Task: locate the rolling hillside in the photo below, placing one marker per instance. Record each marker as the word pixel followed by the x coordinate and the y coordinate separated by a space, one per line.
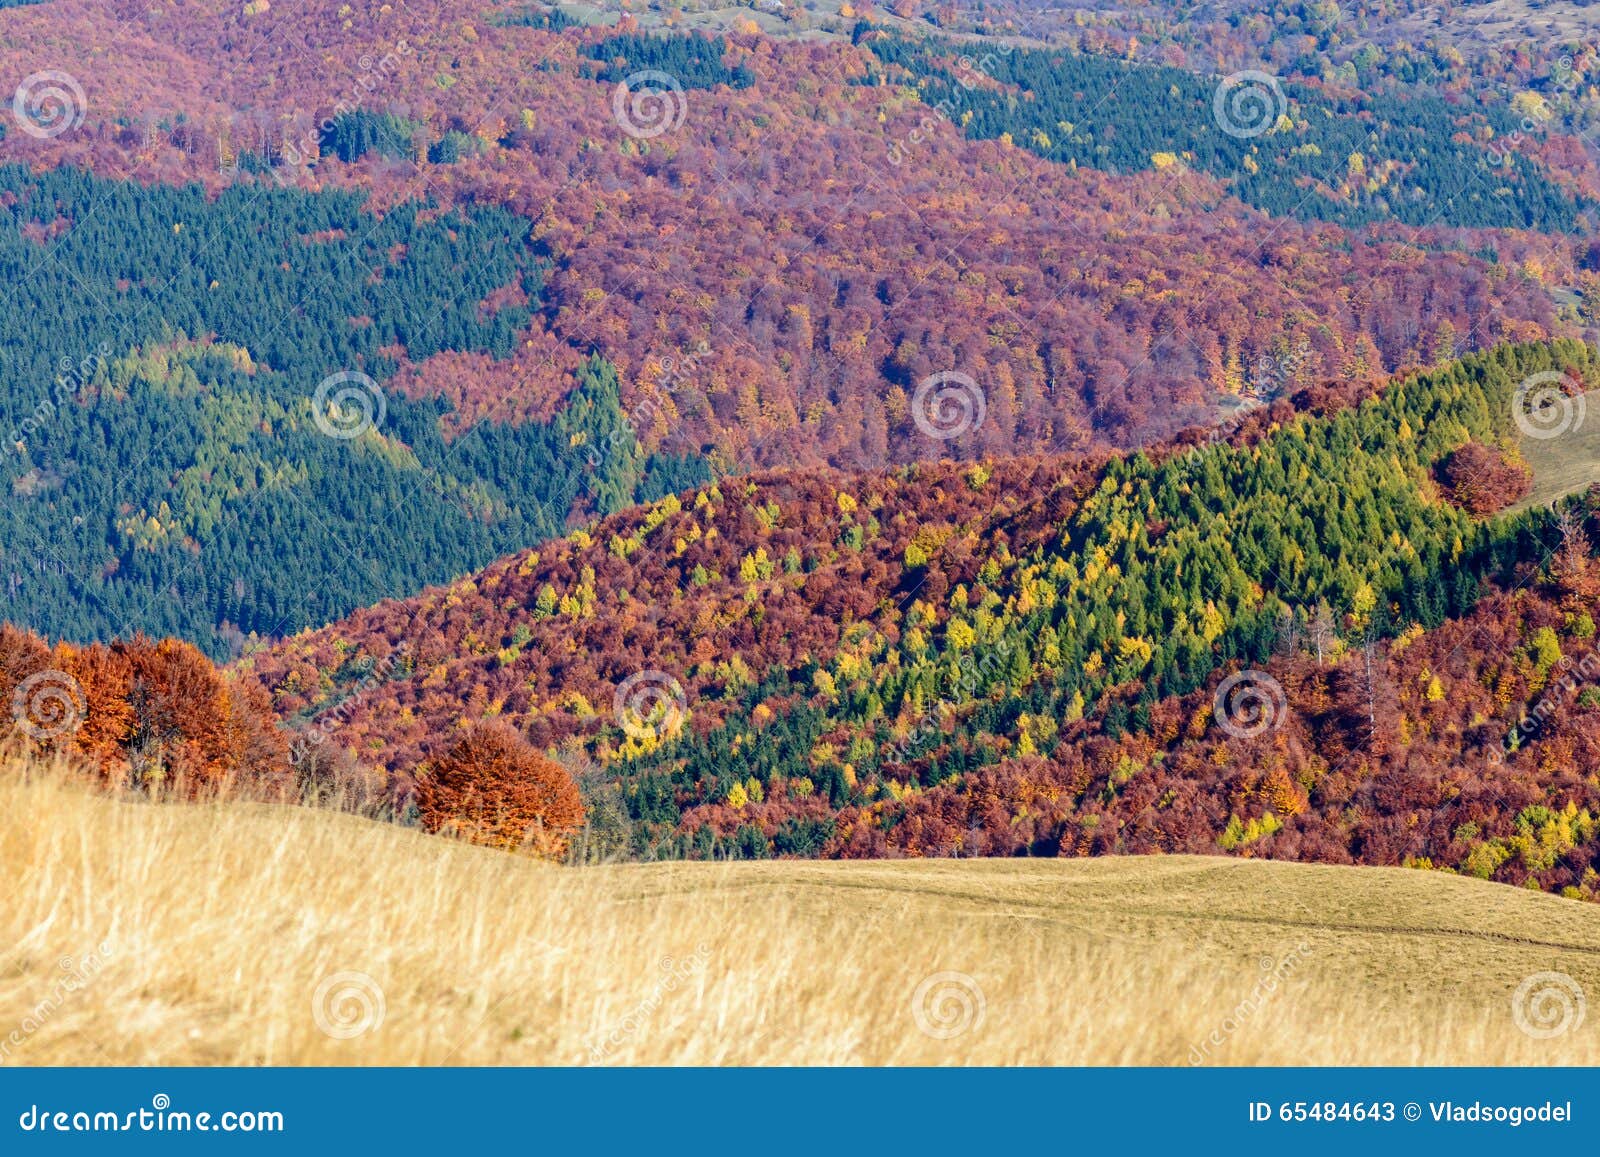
pixel 811 230
pixel 1326 635
pixel 434 292
pixel 804 475
pixel 1296 641
pixel 246 934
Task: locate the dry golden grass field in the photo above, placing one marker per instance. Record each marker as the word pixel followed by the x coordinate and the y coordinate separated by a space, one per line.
pixel 244 934
pixel 1566 464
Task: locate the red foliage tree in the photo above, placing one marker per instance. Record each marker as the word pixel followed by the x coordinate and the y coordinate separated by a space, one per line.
pixel 495 789
pixel 140 713
pixel 1483 479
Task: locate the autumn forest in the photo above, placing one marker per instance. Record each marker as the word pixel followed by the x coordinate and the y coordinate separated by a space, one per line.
pixel 663 432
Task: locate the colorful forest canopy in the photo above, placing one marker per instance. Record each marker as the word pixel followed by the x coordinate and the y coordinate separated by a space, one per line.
pixel 1096 308
pixel 692 61
pixel 1004 655
pixel 1542 51
pixel 1289 148
pixel 827 647
pixel 1165 570
pixel 198 443
pixel 553 19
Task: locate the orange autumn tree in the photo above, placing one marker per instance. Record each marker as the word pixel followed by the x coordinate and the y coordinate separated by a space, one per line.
pixel 492 787
pixel 191 727
pixel 142 714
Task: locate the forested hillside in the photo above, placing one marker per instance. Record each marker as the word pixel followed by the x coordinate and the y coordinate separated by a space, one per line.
pixel 1234 646
pixel 776 248
pixel 1535 58
pixel 1290 149
pixel 212 379
pixel 862 434
pixel 338 310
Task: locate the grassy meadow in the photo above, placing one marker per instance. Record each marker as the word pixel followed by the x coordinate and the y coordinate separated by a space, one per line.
pixel 246 934
pixel 1564 465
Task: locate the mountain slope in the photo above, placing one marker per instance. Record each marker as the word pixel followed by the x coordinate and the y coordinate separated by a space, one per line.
pixel 243 934
pixel 401 291
pixel 800 283
pixel 1029 656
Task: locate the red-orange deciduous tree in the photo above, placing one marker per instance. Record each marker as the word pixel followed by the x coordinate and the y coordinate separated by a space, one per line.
pixel 494 788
